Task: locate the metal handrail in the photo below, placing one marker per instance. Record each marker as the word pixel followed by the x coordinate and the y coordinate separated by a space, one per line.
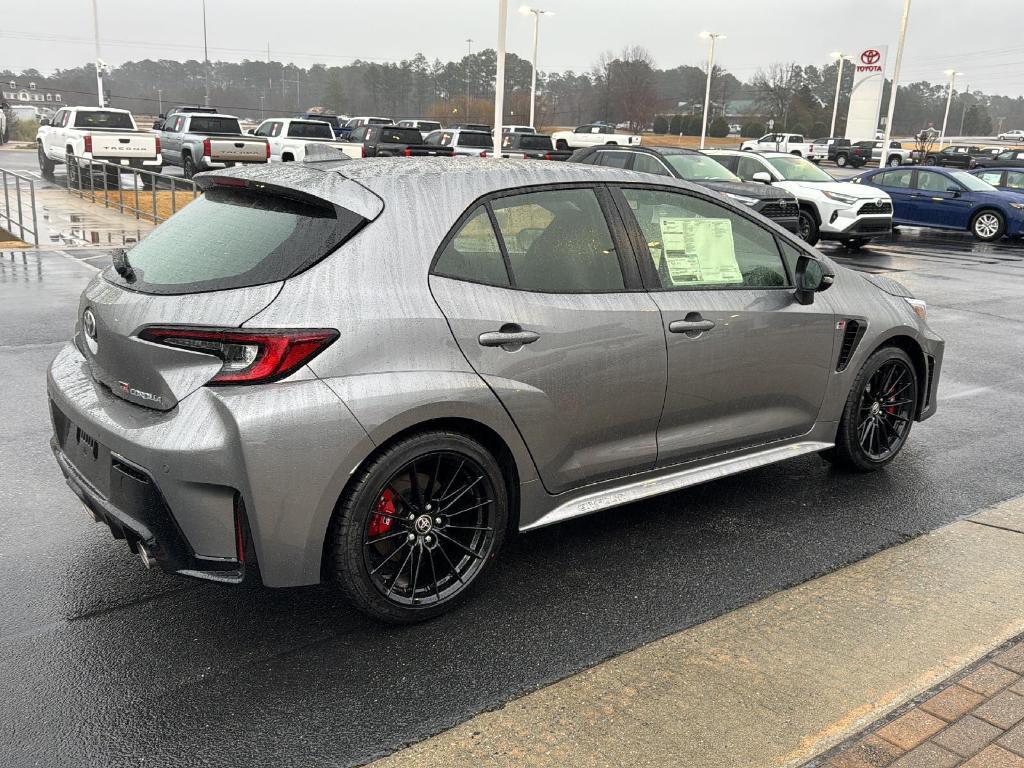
pixel 6 215
pixel 110 176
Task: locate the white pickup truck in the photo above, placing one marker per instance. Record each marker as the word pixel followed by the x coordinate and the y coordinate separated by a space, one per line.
pixel 592 135
pixel 790 143
pixel 77 135
pixel 289 137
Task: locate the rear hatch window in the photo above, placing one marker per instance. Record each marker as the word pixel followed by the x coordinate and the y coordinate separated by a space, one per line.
pixel 121 120
pixel 310 131
pixel 480 140
pixel 530 141
pixel 235 238
pixel 214 125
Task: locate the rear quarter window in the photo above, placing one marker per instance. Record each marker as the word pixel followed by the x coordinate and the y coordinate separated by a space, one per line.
pixel 234 239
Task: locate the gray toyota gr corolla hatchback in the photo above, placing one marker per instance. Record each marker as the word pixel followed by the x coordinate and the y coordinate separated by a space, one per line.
pixel 371 372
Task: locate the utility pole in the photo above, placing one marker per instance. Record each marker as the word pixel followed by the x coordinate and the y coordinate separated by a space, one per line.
pixel 206 60
pixel 951 73
pixel 499 77
pixel 841 57
pixel 537 13
pixel 469 52
pixel 270 80
pixel 261 108
pixel 895 84
pixel 99 62
pixel 160 100
pixel 712 37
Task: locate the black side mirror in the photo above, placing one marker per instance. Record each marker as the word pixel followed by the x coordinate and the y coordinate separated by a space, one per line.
pixel 812 276
pixel 44 121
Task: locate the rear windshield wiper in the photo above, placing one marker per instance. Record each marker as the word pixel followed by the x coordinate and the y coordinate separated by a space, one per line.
pixel 122 266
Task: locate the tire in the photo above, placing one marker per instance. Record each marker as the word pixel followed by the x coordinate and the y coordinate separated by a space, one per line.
pixel 45 164
pixel 370 532
pixel 807 229
pixel 893 161
pixel 111 178
pixel 988 225
pixel 611 143
pixel 841 161
pixel 930 161
pixel 855 243
pixel 886 377
pixel 287 158
pixel 796 152
pixel 188 166
pixel 561 144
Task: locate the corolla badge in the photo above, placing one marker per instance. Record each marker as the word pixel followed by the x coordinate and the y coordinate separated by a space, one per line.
pixel 89 328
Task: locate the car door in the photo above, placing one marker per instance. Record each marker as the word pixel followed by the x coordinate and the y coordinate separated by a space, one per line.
pixel 747 364
pixel 50 136
pixel 542 293
pixel 938 201
pixel 170 138
pixel 898 184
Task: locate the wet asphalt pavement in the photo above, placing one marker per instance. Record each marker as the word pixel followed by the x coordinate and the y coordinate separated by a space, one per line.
pixel 104 663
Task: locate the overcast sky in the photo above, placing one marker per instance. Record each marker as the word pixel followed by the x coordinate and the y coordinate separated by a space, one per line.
pixel 943 34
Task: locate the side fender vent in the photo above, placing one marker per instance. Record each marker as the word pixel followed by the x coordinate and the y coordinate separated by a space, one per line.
pixel 852 334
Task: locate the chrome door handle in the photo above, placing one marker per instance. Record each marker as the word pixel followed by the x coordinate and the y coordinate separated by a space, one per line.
pixel 510 335
pixel 690 326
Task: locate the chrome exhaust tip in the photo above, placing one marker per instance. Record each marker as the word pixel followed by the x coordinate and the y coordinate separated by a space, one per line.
pixel 146 557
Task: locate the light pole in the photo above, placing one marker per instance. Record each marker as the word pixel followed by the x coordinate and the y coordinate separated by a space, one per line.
pixel 99 63
pixel 206 60
pixel 160 100
pixel 469 52
pixel 895 84
pixel 537 13
pixel 712 37
pixel 951 74
pixel 499 76
pixel 841 58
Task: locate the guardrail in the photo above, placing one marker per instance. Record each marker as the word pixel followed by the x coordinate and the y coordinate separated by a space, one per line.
pixel 14 218
pixel 98 179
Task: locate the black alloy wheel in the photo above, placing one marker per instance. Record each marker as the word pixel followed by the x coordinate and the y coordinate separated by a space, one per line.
pixel 419 527
pixel 879 412
pixel 807 227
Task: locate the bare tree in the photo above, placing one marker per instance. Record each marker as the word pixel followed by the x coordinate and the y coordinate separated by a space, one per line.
pixel 633 87
pixel 775 87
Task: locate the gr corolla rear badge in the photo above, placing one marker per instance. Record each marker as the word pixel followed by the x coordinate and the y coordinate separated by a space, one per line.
pixel 89 328
pixel 128 389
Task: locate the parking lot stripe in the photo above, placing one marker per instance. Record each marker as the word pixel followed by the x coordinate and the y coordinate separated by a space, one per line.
pixel 776 682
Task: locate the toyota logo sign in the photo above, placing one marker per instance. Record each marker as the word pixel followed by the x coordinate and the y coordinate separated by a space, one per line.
pixel 89 327
pixel 870 56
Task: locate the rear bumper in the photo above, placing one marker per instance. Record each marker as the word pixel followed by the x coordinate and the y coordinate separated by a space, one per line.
pixel 271 460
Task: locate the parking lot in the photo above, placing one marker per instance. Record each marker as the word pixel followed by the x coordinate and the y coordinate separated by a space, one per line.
pixel 107 663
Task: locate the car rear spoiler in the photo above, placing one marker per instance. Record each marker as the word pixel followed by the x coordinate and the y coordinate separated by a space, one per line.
pixel 312 182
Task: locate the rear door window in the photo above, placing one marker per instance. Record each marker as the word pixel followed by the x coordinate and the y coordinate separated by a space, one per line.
pixel 231 238
pixel 558 241
pixel 1015 179
pixel 895 179
pixel 611 159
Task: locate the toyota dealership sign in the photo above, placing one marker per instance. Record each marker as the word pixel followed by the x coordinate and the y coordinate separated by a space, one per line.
pixel 866 98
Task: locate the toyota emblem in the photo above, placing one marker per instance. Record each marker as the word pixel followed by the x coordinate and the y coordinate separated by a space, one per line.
pixel 89 324
pixel 870 56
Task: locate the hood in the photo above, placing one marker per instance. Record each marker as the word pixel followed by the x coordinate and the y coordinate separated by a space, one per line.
pixel 747 189
pixel 858 191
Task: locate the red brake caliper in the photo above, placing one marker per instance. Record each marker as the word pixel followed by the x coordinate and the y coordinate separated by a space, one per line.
pixel 381 523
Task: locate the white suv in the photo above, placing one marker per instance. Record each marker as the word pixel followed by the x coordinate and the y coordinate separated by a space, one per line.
pixel 829 209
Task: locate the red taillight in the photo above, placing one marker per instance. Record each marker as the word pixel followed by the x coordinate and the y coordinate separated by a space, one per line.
pixel 249 357
pixel 363 148
pixel 268 150
pixel 547 157
pixel 88 144
pixel 206 148
pixel 484 153
pixel 158 145
pixel 408 152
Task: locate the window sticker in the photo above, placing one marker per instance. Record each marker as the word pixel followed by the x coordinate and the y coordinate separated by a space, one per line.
pixel 700 251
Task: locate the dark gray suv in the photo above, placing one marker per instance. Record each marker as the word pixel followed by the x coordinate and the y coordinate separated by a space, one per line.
pixel 371 372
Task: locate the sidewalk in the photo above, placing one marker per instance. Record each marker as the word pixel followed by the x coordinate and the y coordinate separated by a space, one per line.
pixel 783 680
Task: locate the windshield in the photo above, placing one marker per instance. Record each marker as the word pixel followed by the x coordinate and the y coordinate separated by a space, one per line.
pixel 480 140
pixel 795 168
pixel 214 125
pixel 97 119
pixel 700 168
pixel 310 131
pixel 972 183
pixel 231 238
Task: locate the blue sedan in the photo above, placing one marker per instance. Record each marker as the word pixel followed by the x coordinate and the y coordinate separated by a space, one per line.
pixel 945 198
